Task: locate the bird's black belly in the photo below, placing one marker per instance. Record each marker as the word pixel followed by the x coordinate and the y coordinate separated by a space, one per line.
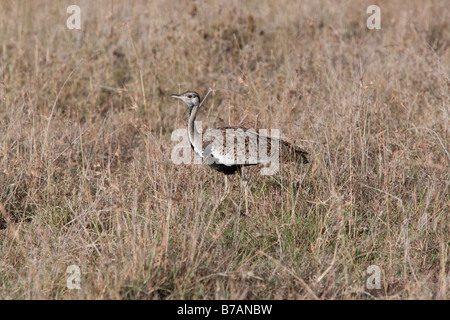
pixel 215 164
pixel 224 168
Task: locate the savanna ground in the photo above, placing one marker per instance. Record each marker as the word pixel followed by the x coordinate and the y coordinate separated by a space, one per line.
pixel 86 176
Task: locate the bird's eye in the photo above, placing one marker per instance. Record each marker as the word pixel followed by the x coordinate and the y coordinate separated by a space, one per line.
pixel 189 96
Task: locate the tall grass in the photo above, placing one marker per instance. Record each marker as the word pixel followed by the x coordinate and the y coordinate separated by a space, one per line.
pixel 86 176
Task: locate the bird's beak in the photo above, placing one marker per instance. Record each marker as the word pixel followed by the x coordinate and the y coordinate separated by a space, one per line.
pixel 178 96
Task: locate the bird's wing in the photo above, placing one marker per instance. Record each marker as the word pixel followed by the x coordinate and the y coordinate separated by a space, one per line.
pixel 242 146
pixel 236 146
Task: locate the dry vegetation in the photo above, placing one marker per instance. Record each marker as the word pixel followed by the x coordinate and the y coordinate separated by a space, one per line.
pixel 86 176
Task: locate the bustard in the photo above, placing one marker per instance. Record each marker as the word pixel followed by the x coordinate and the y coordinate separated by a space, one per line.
pixel 223 157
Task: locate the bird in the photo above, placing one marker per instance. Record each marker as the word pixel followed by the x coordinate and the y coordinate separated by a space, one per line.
pixel 228 157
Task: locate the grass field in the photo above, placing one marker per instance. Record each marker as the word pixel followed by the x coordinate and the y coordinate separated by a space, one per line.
pixel 86 176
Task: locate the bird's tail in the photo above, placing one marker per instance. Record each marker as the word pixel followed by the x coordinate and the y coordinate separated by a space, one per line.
pixel 293 153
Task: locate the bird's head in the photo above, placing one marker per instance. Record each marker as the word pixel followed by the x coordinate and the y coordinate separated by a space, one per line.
pixel 191 98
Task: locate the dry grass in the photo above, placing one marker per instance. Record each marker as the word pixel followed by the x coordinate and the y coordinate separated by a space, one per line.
pixel 85 171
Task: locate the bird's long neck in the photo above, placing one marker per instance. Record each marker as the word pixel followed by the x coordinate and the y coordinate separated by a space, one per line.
pixel 194 136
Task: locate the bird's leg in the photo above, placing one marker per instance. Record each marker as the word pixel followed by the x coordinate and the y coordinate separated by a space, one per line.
pixel 246 196
pixel 244 184
pixel 227 188
pixel 224 195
